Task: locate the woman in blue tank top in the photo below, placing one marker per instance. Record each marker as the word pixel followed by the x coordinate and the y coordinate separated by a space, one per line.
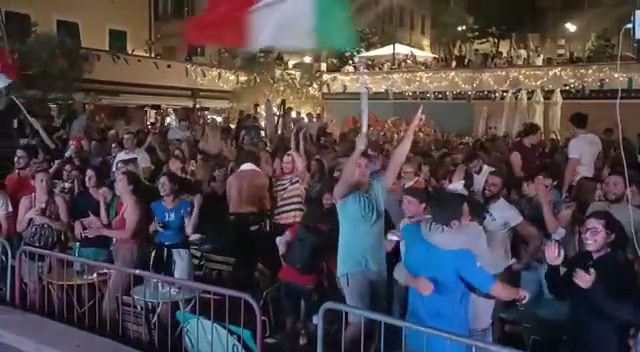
pixel 171 229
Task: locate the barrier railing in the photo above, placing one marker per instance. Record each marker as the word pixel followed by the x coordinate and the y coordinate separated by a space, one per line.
pixel 138 308
pixel 6 260
pixel 404 336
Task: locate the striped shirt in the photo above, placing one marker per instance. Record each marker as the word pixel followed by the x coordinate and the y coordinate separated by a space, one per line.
pixel 290 193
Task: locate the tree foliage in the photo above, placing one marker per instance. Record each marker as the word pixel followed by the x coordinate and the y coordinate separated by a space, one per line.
pixel 267 77
pixel 498 20
pixel 49 64
pixel 451 26
pixel 600 47
pixel 369 39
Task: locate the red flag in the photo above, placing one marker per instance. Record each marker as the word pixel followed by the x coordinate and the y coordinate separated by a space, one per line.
pixel 223 23
pixel 8 71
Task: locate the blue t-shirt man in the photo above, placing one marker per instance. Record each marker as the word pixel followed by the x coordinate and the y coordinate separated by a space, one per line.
pixel 447 308
pixel 361 230
pixel 171 220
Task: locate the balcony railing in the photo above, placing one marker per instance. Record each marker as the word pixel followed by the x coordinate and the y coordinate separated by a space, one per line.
pixel 132 69
pixel 591 76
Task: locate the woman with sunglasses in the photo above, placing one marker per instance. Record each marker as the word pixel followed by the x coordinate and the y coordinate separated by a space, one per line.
pixel 605 242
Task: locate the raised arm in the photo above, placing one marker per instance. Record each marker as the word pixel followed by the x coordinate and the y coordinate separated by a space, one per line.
pixel 399 155
pixel 347 176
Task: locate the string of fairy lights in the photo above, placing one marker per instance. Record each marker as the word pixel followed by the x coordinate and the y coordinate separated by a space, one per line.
pixel 468 80
pixel 599 81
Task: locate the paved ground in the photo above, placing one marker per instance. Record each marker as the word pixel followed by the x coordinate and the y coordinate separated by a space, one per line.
pixel 24 332
pixel 8 348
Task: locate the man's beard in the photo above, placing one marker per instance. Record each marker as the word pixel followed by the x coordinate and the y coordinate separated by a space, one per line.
pixel 489 198
pixel 614 198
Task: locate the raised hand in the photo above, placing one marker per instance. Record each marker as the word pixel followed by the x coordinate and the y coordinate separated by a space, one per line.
pixel 584 279
pixel 553 253
pixel 361 142
pixel 417 119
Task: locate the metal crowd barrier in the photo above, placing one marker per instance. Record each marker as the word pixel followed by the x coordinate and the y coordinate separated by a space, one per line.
pixel 138 308
pixel 385 326
pixel 6 260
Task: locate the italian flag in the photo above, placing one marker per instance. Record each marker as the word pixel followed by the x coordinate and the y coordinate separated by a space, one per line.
pixel 278 24
pixel 8 70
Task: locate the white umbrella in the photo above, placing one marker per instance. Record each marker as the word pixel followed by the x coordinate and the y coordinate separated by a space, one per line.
pixel 481 128
pixel 506 113
pixel 521 114
pixel 536 109
pixel 555 112
pixel 397 49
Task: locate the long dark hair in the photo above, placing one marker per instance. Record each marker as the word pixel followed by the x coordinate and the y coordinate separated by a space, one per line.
pixel 101 179
pixel 613 226
pixel 135 181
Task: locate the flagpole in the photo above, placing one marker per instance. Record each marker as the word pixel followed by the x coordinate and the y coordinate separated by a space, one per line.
pixel 364 97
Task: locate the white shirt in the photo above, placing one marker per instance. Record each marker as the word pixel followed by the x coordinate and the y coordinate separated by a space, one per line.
pixel 585 148
pixel 479 179
pixel 177 134
pixel 537 59
pixel 140 155
pixel 520 57
pixel 500 219
pixel 5 204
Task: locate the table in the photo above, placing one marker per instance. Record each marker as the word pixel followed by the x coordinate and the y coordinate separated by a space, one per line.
pixel 151 292
pixel 67 279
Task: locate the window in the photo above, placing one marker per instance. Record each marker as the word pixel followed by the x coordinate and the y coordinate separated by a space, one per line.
pixel 180 9
pixel 390 16
pixel 195 51
pixel 157 9
pixel 412 22
pixel 118 41
pixel 401 17
pixel 18 26
pixel 423 24
pixel 69 30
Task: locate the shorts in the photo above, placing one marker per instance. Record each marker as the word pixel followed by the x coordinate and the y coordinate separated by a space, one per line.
pixel 364 290
pixel 292 294
pixel 182 264
pixel 483 335
pixel 32 271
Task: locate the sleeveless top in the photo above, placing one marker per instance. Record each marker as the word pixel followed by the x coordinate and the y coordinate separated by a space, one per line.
pixel 49 209
pixel 120 223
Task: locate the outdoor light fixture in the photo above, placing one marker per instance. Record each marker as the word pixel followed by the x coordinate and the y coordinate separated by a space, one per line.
pixel 462 28
pixel 570 27
pixel 307 59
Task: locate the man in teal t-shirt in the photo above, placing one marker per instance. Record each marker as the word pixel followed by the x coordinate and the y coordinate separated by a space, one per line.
pixel 360 204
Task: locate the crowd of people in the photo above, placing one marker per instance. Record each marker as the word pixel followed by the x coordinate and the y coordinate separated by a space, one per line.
pixel 519 57
pixel 443 231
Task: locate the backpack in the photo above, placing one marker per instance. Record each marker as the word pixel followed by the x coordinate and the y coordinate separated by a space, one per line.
pixel 202 335
pixel 304 251
pixel 41 236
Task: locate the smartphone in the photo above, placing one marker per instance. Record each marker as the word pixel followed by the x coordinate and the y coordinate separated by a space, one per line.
pixel 393 236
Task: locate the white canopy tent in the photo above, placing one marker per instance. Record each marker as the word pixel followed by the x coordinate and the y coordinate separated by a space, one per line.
pixel 388 51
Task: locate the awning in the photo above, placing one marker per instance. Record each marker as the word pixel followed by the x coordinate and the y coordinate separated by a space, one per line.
pixel 388 51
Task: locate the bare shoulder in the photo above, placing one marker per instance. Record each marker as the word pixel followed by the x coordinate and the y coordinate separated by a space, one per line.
pixel 60 200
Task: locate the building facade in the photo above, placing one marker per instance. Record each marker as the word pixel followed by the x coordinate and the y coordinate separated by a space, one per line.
pixel 121 26
pixel 403 21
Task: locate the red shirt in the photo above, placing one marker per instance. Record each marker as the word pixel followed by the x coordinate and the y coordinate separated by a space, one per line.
pixel 530 157
pixel 17 187
pixel 290 274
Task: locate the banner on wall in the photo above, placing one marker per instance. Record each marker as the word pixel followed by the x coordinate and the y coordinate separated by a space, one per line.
pixel 446 116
